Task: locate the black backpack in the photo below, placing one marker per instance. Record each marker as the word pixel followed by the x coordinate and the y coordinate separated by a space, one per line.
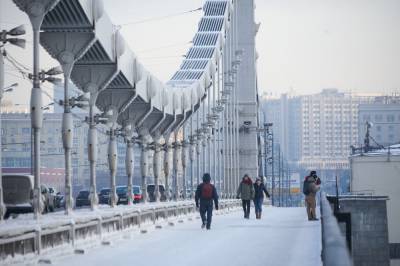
pixel 306 187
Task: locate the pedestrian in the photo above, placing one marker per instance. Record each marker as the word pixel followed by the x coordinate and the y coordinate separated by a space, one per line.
pixel 259 190
pixel 311 186
pixel 206 194
pixel 245 192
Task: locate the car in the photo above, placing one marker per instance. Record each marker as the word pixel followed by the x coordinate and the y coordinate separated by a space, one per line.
pixel 150 192
pixel 137 194
pixel 83 198
pixel 60 200
pixel 122 193
pixel 17 193
pixel 104 196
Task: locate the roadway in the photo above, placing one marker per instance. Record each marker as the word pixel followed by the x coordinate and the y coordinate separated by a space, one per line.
pixel 282 237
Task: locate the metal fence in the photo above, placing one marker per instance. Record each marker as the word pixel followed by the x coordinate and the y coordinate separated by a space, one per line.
pixel 44 237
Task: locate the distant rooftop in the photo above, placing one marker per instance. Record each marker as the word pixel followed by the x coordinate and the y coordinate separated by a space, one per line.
pixel 392 150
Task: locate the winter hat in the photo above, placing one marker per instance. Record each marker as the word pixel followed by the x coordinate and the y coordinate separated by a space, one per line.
pixel 206 178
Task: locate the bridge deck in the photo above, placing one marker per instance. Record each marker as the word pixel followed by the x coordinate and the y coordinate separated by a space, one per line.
pixel 282 237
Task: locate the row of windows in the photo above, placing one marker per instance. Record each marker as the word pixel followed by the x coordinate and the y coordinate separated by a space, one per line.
pixel 381 118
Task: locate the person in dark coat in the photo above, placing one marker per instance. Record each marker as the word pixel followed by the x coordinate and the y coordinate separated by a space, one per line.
pixel 206 194
pixel 259 190
pixel 311 186
pixel 245 192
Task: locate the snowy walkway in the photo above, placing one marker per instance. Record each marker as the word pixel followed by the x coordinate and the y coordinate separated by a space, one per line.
pixel 282 237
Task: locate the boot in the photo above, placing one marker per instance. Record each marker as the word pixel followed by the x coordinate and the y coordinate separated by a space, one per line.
pixel 259 215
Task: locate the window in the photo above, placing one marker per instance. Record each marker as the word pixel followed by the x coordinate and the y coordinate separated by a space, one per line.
pixel 13 131
pixel 390 118
pixel 26 130
pixel 378 128
pixel 391 128
pixel 378 117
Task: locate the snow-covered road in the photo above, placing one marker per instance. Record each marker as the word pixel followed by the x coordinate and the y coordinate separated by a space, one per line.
pixel 283 237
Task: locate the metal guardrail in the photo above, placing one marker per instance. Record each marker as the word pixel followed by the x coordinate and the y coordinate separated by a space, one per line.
pixel 44 238
pixel 334 248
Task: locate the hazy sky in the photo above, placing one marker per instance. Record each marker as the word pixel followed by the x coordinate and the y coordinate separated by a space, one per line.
pixel 304 45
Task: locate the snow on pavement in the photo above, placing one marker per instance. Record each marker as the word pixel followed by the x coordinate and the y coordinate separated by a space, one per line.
pixel 282 237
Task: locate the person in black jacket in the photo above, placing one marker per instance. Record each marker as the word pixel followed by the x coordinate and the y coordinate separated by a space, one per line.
pixel 259 190
pixel 206 194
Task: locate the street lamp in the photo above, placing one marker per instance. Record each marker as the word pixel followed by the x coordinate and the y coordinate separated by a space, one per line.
pixel 36 10
pixel 17 31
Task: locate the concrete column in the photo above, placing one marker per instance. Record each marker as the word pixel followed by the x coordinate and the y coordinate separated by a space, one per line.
pixel 198 153
pixel 198 147
pixel 2 206
pixel 129 166
pixel 167 166
pixel 192 157
pixel 204 144
pixel 219 162
pixel 92 156
pixel 112 163
pixel 144 164
pixel 175 186
pixel 157 168
pixel 185 147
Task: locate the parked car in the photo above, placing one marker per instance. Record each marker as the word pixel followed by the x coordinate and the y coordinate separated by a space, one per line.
pixel 60 200
pixel 150 192
pixel 83 198
pixel 137 194
pixel 17 193
pixel 104 196
pixel 122 193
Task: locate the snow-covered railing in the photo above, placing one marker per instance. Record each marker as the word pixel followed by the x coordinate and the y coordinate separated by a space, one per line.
pixel 24 235
pixel 334 248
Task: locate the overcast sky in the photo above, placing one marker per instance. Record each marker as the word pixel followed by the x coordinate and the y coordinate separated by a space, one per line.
pixel 303 45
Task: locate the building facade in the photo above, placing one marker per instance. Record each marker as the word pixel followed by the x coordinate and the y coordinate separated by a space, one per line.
pixel 16 152
pixel 315 131
pixel 384 117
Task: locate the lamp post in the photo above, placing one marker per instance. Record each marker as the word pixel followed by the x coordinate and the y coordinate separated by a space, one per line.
pixel 36 11
pixel 21 43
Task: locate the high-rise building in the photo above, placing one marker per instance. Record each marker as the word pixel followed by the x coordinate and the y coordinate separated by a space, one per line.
pixel 315 131
pixel 383 115
pixel 285 114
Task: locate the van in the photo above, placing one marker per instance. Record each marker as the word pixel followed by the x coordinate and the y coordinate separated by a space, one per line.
pixel 18 194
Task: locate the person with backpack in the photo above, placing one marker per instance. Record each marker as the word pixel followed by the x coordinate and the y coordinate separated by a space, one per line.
pixel 245 192
pixel 311 186
pixel 259 190
pixel 205 195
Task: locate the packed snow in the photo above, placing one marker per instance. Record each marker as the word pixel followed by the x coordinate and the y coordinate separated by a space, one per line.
pixel 282 237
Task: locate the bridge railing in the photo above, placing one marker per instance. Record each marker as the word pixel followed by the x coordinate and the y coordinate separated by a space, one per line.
pixel 334 248
pixel 59 231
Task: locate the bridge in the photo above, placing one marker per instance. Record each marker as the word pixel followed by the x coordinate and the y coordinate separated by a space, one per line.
pixel 203 120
